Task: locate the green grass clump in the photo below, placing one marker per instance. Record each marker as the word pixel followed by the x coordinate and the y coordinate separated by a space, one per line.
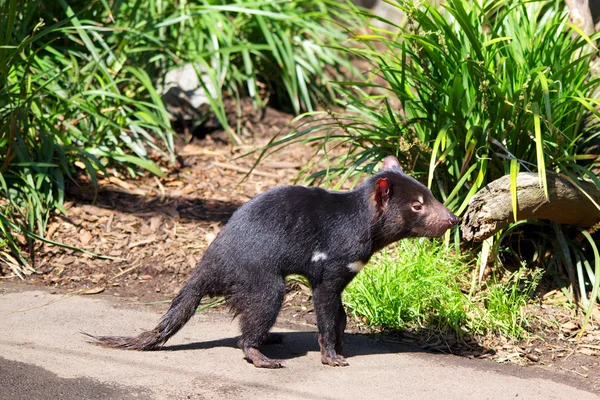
pixel 415 284
pixel 502 305
pixel 419 285
pixel 272 51
pixel 69 102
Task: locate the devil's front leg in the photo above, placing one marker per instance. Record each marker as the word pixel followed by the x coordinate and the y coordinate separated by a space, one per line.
pixel 340 327
pixel 331 322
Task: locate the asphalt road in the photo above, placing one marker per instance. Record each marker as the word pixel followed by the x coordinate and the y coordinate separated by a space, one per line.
pixel 44 356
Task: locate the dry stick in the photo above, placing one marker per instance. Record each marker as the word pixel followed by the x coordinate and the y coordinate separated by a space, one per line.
pixel 142 242
pixel 572 370
pixel 161 188
pixel 200 152
pixel 589 346
pixel 63 297
pixel 245 170
pixel 124 272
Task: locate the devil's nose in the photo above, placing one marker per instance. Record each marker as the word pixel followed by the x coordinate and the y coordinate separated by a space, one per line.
pixel 453 219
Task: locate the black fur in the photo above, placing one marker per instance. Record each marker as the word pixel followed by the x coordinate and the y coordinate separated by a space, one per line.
pixel 298 230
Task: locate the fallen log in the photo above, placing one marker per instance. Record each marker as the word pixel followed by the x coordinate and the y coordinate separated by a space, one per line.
pixel 490 209
pixel 581 15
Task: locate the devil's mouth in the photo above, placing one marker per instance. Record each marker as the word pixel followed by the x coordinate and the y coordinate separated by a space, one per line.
pixel 433 233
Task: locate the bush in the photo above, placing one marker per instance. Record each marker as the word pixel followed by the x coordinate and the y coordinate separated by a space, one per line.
pixel 268 50
pixel 66 99
pixel 462 94
pixel 504 305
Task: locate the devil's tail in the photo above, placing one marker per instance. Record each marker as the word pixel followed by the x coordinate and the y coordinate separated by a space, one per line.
pixel 182 308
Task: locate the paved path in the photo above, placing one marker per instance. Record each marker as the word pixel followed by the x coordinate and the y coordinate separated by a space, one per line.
pixel 43 356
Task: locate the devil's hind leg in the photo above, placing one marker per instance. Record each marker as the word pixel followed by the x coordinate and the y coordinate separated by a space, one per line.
pixel 258 307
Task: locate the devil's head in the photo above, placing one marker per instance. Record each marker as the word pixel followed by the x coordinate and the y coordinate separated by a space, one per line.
pixel 405 207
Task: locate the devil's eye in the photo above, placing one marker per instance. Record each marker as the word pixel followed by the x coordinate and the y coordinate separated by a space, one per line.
pixel 417 206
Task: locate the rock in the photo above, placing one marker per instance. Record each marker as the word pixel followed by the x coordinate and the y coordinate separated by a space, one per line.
pixel 183 92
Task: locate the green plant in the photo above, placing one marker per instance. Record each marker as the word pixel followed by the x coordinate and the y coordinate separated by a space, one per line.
pixel 463 92
pixel 503 305
pixel 414 285
pixel 419 285
pixel 563 253
pixel 65 100
pixel 268 50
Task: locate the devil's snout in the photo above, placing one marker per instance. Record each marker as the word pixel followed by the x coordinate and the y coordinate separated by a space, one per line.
pixel 452 220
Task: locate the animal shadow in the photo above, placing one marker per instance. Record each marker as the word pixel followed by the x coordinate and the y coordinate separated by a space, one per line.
pixel 298 344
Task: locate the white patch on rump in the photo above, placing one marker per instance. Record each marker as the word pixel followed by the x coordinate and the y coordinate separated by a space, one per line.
pixel 356 266
pixel 318 256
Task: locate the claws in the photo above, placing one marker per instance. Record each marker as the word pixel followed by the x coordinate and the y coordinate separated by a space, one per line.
pixel 335 361
pixel 260 360
pixel 330 357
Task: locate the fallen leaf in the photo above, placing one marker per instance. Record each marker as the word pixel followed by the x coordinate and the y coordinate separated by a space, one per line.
pixel 587 352
pixel 551 293
pixel 195 150
pixel 569 326
pixel 95 290
pixel 192 261
pixel 85 237
pixel 174 184
pixel 52 229
pixel 98 277
pixel 155 223
pixel 89 217
pixel 151 239
pixel 97 211
pixel 119 182
pixel 557 299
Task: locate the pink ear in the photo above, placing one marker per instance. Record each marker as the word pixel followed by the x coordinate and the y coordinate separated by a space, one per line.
pixel 391 162
pixel 382 192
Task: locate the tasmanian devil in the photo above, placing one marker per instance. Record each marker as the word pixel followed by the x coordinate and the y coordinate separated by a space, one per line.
pixel 324 235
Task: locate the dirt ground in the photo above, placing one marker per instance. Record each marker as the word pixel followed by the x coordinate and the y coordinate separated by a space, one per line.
pixel 155 231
